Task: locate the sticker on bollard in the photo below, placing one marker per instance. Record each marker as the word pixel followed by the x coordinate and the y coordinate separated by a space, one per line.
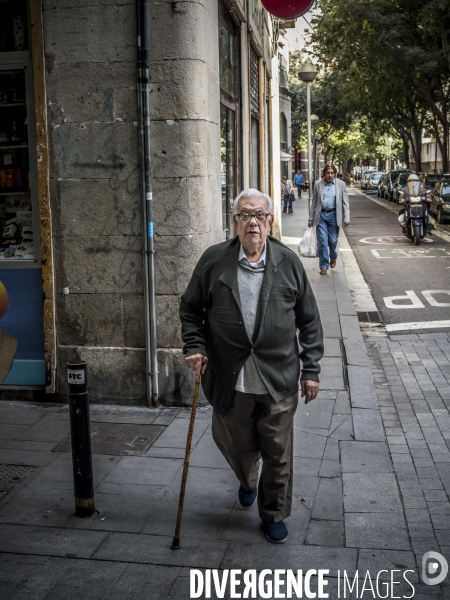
pixel 75 377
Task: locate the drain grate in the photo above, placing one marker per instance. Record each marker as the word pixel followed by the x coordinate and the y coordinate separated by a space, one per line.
pixel 11 475
pixel 118 439
pixel 369 317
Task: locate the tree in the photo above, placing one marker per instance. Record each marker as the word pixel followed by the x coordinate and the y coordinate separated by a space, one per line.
pixel 348 130
pixel 325 102
pixel 400 50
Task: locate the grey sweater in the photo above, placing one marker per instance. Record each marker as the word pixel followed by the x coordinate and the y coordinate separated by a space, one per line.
pixel 249 380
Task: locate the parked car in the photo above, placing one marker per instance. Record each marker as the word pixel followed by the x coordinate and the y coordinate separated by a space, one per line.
pixel 390 180
pixel 381 185
pixel 399 185
pixel 431 179
pixel 440 200
pixel 372 181
pixel 364 179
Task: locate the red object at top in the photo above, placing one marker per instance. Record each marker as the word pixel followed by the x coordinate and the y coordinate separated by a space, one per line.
pixel 287 9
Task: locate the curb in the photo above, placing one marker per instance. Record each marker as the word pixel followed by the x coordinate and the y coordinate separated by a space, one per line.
pixel 366 412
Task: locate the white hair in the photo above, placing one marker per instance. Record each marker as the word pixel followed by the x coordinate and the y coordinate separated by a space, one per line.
pixel 252 193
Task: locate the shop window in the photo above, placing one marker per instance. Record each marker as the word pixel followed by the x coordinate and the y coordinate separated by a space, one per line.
pixel 21 307
pixel 283 132
pixel 17 241
pixel 229 45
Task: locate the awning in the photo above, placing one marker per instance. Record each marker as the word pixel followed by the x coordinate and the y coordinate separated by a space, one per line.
pixel 285 156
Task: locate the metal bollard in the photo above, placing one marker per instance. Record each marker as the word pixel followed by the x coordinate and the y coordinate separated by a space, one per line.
pixel 80 431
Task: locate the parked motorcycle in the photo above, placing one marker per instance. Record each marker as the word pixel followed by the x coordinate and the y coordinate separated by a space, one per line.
pixel 414 218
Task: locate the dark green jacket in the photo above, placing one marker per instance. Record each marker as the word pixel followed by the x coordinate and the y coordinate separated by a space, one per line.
pixel 212 323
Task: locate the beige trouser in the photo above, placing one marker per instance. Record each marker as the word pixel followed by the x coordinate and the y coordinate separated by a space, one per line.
pixel 256 426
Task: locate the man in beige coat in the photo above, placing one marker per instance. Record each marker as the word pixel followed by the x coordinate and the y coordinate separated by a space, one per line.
pixel 330 210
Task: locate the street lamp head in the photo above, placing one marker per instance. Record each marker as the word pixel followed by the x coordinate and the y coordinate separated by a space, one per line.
pixel 307 72
pixel 314 119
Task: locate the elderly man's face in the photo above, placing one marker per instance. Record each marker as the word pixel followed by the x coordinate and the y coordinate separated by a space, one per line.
pixel 329 175
pixel 252 234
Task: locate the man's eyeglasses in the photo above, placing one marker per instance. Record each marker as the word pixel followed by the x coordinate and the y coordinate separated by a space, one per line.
pixel 245 217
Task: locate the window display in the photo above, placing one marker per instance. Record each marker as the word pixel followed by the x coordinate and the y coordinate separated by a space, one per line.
pixel 22 353
pixel 16 217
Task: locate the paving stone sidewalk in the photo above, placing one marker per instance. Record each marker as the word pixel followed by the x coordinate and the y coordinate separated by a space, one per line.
pixel 370 465
pixel 412 375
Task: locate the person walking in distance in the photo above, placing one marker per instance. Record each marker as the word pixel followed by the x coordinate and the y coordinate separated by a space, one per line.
pixel 247 315
pixel 330 210
pixel 299 180
pixel 287 193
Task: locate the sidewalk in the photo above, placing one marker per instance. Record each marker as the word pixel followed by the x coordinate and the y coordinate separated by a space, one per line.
pixel 364 492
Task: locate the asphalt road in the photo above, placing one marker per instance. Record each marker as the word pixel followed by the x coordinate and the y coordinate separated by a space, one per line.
pixel 394 267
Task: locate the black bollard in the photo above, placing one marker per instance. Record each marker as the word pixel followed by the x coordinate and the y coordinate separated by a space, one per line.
pixel 80 431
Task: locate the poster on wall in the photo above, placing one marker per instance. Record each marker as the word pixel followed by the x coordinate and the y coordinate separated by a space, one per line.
pixel 21 328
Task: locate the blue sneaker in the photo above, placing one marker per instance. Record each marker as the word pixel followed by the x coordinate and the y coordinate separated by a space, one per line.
pixel 247 498
pixel 276 533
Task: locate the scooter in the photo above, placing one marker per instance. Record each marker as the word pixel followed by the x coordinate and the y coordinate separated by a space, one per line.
pixel 414 218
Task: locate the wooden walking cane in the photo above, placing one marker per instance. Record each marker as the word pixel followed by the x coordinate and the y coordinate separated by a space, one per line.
pixel 176 539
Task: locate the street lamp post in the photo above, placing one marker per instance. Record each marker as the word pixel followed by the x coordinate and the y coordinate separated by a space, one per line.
pixel 316 157
pixel 314 120
pixel 390 140
pixel 307 73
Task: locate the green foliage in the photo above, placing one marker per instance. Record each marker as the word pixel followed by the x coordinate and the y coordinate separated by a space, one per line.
pixel 393 58
pixel 345 133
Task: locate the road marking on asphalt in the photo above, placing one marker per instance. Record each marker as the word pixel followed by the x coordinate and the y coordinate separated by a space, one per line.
pixel 405 253
pixel 429 295
pixel 414 301
pixel 409 295
pixel 390 239
pixel 417 325
pixel 376 253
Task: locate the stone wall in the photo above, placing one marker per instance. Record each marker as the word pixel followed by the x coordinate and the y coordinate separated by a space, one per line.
pixel 90 52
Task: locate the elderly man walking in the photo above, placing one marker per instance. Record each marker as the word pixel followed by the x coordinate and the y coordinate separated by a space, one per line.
pixel 240 315
pixel 329 210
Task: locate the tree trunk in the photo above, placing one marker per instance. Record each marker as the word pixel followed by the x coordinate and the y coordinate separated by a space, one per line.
pixel 406 151
pixel 418 136
pixel 416 147
pixel 444 149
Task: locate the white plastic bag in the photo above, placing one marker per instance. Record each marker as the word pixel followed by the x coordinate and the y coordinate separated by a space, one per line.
pixel 308 243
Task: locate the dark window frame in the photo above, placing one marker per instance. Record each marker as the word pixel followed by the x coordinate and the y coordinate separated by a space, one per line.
pixel 231 102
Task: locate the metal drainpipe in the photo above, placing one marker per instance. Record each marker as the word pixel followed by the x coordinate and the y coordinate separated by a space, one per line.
pixel 147 204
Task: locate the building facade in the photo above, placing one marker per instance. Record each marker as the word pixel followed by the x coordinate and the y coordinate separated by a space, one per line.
pixel 431 156
pixel 71 256
pixel 285 107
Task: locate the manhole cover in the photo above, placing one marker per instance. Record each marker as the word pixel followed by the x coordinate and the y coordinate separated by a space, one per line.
pixel 118 439
pixel 11 475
